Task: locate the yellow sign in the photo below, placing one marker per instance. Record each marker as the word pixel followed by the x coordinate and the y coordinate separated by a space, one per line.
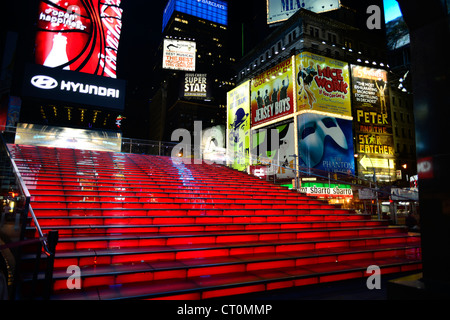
pixel 367 162
pixel 238 126
pixel 323 84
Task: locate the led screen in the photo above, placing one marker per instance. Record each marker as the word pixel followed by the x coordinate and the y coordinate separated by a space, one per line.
pixel 60 137
pixel 211 10
pixel 196 86
pixel 79 35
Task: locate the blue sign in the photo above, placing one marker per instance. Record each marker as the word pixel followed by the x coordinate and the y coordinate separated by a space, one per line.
pixel 326 143
pixel 211 10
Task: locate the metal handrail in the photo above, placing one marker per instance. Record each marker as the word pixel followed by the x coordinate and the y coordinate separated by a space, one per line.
pixel 25 191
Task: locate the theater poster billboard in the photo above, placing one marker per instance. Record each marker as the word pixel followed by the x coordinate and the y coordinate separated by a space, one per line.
pixel 325 143
pixel 323 85
pixel 238 127
pixel 373 123
pixel 196 86
pixel 274 147
pixel 272 93
pixel 179 55
pixel 79 35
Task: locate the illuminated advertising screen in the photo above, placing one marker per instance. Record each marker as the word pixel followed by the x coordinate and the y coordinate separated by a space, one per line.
pixel 272 93
pixel 326 190
pixel 73 87
pixel 79 35
pixel 211 10
pixel 179 55
pixel 275 150
pixel 325 143
pixel 373 123
pixel 323 84
pixel 280 10
pixel 213 144
pixel 238 127
pixel 60 137
pixel 196 86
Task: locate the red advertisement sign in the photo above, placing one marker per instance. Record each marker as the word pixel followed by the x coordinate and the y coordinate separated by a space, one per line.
pixel 79 35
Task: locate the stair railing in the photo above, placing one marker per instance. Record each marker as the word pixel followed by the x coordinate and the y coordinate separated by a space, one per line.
pixel 47 243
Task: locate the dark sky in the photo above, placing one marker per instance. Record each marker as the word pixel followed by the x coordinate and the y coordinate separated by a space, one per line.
pixel 142 32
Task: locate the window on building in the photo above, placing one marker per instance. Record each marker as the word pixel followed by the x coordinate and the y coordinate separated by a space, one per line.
pixel 332 37
pixel 314 31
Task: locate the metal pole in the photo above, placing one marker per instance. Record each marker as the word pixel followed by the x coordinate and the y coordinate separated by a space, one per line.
pixel 296 172
pixel 376 191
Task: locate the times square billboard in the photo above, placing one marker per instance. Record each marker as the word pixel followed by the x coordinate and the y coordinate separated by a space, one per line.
pixel 281 10
pixel 76 48
pixel 211 10
pixel 79 35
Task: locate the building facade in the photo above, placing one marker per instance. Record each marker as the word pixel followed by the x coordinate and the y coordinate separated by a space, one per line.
pixel 339 118
pixel 193 83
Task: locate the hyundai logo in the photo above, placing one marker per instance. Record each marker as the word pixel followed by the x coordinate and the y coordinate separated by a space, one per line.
pixel 44 82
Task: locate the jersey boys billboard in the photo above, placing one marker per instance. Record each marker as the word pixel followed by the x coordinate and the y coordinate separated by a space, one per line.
pixel 79 35
pixel 272 93
pixel 73 87
pixel 211 10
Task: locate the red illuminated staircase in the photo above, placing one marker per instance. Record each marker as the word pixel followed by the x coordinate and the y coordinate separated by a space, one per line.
pixel 148 227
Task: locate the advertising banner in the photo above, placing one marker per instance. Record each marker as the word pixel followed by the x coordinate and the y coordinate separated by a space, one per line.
pixel 213 144
pixel 238 127
pixel 373 123
pixel 326 143
pixel 60 137
pixel 326 190
pixel 272 93
pixel 323 84
pixel 275 150
pixel 179 55
pixel 280 10
pixel 74 87
pixel 196 86
pixel 79 35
